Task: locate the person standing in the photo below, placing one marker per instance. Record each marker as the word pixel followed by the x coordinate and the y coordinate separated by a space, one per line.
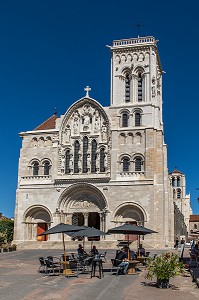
pixel 182 245
pixel 176 243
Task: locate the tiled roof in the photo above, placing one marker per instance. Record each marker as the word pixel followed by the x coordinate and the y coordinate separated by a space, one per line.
pixel 48 124
pixel 194 218
pixel 176 171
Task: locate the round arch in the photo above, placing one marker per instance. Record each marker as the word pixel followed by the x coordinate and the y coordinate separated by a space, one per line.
pixel 36 220
pixel 81 195
pixel 83 204
pixel 129 212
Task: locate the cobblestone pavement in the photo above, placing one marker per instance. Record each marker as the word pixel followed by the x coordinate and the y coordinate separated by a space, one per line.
pixel 20 280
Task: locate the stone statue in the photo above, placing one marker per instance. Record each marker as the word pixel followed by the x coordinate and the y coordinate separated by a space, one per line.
pixel 76 123
pixel 88 161
pixel 62 163
pixel 97 124
pixel 71 163
pixel 104 133
pixel 105 161
pixel 80 164
pixel 66 135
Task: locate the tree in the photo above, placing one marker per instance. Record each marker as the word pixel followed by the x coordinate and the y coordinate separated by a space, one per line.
pixel 6 230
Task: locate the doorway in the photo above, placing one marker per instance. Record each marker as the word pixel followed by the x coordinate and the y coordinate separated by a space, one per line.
pixel 94 221
pixel 41 227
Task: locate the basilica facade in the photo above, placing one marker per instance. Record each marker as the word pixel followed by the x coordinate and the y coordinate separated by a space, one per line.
pixel 101 166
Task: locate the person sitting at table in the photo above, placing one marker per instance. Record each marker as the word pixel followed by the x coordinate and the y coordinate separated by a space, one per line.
pixel 80 251
pixel 123 257
pixel 94 251
pixel 132 254
pixel 141 250
pixel 194 251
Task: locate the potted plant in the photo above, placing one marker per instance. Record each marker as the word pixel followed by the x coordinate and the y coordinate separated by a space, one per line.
pixel 164 267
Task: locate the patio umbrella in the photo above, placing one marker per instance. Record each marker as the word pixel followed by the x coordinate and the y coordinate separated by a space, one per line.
pixel 62 228
pixel 131 229
pixel 88 232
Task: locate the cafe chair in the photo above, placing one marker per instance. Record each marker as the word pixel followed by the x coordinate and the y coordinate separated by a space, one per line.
pixel 42 267
pixel 52 267
pixel 103 256
pixel 115 269
pixel 73 269
pixel 84 265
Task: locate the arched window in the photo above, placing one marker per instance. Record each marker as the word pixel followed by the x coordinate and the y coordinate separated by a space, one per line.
pixel 173 181
pixel 85 150
pixel 76 156
pixel 178 182
pixel 35 168
pixel 102 160
pixel 137 119
pixel 195 226
pixel 174 194
pixel 138 164
pixel 178 193
pixel 46 168
pixel 93 156
pixel 124 120
pixel 127 88
pixel 126 164
pixel 140 84
pixel 67 169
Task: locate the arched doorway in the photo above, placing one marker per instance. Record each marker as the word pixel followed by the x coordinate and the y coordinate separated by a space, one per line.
pixel 130 213
pixel 36 220
pixel 83 204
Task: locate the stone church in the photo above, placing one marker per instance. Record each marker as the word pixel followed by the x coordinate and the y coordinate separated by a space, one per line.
pixel 101 166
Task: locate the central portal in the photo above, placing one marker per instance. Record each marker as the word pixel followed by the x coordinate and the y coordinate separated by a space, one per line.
pixel 94 221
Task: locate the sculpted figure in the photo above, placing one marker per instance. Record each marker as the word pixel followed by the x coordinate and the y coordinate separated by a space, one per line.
pixel 71 163
pixel 97 124
pixel 76 124
pixel 62 163
pixel 104 133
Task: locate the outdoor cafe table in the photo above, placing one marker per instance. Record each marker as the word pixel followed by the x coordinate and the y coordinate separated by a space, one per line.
pixel 132 265
pixel 142 259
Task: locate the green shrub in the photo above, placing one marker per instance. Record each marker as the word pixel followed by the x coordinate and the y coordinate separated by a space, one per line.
pixel 164 266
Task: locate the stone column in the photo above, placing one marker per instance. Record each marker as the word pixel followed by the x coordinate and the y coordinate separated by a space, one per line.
pixel 85 218
pixel 69 217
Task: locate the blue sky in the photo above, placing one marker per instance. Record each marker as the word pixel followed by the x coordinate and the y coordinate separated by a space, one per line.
pixel 50 50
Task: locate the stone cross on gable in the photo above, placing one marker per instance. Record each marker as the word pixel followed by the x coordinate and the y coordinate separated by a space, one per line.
pixel 87 89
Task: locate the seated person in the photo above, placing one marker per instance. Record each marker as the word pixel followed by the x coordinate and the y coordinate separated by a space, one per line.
pixel 94 251
pixel 123 257
pixel 80 251
pixel 132 254
pixel 194 251
pixel 141 250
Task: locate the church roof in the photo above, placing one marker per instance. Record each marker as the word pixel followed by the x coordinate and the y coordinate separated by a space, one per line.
pixel 176 171
pixel 50 123
pixel 194 218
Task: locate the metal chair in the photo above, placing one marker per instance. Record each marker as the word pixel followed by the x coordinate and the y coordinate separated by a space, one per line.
pixel 84 265
pixel 103 256
pixel 42 267
pixel 115 266
pixel 73 269
pixel 52 266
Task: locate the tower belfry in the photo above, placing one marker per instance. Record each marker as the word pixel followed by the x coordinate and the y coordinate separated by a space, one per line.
pixel 136 77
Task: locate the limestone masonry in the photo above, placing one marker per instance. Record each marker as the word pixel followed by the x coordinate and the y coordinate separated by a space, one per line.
pixel 102 166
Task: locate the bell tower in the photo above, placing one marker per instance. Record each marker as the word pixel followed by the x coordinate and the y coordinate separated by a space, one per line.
pixel 136 77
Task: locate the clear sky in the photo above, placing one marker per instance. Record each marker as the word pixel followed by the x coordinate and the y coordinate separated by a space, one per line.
pixel 50 50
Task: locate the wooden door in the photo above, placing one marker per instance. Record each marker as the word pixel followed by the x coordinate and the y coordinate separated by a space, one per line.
pixel 41 227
